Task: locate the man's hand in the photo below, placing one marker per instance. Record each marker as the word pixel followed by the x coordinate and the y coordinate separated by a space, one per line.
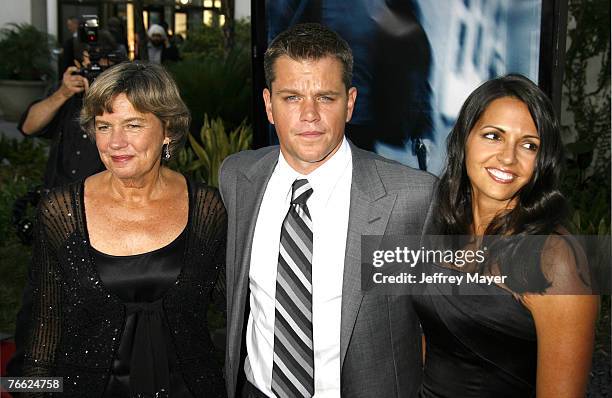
pixel 73 83
pixel 41 113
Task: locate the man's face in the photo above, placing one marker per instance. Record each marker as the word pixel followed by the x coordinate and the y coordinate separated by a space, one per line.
pixel 309 106
pixel 72 25
pixel 87 61
pixel 157 39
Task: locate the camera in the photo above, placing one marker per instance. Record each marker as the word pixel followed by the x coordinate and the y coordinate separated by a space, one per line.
pixel 88 29
pixel 97 49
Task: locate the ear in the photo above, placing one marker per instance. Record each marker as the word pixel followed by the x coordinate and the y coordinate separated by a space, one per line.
pixel 268 103
pixel 167 139
pixel 350 104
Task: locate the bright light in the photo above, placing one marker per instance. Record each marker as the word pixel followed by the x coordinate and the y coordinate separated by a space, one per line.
pixel 208 17
pixel 184 1
pixel 130 30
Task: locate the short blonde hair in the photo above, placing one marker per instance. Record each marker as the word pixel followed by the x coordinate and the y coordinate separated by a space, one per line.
pixel 149 88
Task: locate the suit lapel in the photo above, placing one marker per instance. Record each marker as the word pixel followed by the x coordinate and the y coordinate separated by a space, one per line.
pixel 250 189
pixel 369 212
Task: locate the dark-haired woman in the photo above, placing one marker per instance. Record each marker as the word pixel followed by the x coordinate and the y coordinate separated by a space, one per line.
pixel 530 334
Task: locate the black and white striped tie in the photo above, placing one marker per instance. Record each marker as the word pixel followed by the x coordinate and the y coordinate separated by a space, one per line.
pixel 293 368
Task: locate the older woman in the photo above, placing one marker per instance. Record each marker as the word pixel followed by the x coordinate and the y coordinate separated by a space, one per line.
pixel 125 262
pixel 531 334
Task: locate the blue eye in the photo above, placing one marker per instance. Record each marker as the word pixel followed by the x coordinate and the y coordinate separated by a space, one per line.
pixel 325 99
pixel 291 98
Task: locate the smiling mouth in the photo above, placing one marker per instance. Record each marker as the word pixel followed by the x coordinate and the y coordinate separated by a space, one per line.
pixel 121 158
pixel 503 177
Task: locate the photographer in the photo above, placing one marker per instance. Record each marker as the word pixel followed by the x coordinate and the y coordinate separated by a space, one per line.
pixel 73 156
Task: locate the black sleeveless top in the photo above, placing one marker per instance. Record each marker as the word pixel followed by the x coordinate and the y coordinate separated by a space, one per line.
pixel 145 361
pixel 481 340
pixel 481 343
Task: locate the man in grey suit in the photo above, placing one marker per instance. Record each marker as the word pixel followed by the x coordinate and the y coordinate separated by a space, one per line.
pixel 298 323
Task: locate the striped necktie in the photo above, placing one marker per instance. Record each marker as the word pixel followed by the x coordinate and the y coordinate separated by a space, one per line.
pixel 293 367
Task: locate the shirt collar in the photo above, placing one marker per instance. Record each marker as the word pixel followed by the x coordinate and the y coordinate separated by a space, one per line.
pixel 323 178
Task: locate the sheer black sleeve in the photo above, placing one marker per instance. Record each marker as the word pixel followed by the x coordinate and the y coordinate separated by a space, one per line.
pixel 220 238
pixel 43 325
pixel 565 266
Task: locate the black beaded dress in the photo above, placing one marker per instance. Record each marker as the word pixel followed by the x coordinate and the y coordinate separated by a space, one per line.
pixel 141 332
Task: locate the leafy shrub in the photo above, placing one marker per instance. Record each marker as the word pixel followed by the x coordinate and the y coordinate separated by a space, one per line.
pixel 205 41
pixel 22 164
pixel 203 158
pixel 26 53
pixel 216 86
pixel 214 80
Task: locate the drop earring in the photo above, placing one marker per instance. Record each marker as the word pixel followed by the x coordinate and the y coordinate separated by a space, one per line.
pixel 166 151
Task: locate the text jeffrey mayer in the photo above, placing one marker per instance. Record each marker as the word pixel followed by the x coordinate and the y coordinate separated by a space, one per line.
pixel 439 277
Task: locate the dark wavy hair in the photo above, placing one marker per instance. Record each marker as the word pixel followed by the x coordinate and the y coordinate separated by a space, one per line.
pixel 540 207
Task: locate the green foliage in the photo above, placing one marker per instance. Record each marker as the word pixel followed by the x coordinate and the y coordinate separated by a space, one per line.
pixel 587 83
pixel 203 158
pixel 205 41
pixel 242 35
pixel 26 53
pixel 22 165
pixel 214 80
pixel 216 86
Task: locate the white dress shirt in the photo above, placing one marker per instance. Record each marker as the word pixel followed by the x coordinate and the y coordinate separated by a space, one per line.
pixel 329 208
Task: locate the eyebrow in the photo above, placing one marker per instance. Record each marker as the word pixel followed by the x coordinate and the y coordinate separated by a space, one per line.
pixel 290 91
pixel 132 119
pixel 504 131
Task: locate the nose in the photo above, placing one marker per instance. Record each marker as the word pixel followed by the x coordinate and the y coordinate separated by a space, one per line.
pixel 117 138
pixel 309 111
pixel 507 154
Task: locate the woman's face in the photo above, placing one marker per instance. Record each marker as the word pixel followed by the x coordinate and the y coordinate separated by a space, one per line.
pixel 129 142
pixel 501 151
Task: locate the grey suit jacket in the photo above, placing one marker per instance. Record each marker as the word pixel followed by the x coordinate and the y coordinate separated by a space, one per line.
pixel 380 344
